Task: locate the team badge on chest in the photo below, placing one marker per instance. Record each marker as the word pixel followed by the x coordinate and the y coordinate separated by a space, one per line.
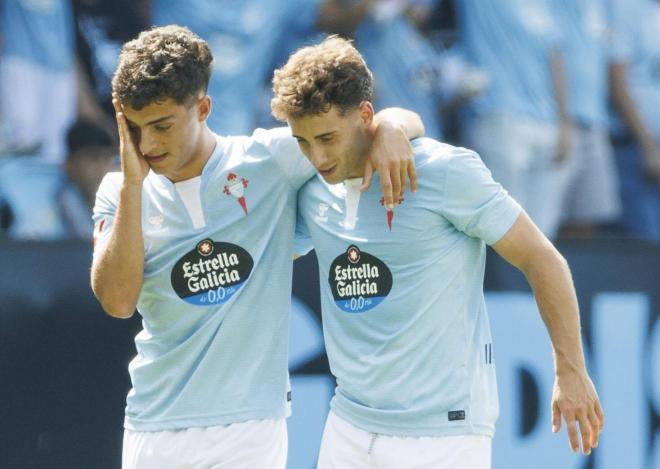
pixel 358 280
pixel 236 188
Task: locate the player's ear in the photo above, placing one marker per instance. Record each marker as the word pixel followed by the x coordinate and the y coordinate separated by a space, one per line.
pixel 204 108
pixel 366 112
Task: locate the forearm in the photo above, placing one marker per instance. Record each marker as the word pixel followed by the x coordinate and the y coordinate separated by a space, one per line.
pixel 625 106
pixel 550 279
pixel 559 84
pixel 118 269
pixel 408 121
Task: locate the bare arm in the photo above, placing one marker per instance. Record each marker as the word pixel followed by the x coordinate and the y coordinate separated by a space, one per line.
pixel 118 268
pixel 574 396
pixel 560 88
pixel 619 90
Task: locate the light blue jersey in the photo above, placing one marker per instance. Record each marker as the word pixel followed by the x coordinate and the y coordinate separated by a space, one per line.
pixel 405 68
pixel 404 318
pixel 217 286
pixel 587 54
pixel 243 37
pixel 636 26
pixel 39 31
pixel 512 40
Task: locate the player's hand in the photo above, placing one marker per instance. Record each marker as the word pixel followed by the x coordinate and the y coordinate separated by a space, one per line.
pixel 133 164
pixel 575 399
pixel 651 163
pixel 392 156
pixel 564 141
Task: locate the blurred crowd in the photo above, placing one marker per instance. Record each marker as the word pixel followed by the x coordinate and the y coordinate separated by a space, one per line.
pixel 561 98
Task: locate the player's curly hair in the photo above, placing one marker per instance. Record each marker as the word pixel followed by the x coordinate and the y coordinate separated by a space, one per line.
pixel 164 62
pixel 315 78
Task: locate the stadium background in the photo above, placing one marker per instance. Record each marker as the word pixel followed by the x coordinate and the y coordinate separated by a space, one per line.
pixel 63 363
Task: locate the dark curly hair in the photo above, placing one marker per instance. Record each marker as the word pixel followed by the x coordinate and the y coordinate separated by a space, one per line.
pixel 164 62
pixel 332 73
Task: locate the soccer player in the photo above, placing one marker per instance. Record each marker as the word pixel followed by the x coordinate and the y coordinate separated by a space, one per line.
pixel 197 231
pixel 405 324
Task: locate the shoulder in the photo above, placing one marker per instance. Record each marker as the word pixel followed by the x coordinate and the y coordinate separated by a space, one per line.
pixel 110 184
pixel 432 155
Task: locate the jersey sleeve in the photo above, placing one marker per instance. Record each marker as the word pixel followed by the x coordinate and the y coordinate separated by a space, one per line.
pixel 284 149
pixel 105 208
pixel 473 202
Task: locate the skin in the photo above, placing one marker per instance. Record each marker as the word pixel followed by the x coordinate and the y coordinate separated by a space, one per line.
pixel 335 143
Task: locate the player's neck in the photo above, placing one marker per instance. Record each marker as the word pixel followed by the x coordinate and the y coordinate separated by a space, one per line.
pixel 201 155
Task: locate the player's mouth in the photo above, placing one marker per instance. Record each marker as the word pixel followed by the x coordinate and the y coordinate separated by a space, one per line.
pixel 153 159
pixel 328 171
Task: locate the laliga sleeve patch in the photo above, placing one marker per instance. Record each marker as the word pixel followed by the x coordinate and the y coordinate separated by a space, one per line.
pixel 211 273
pixel 359 281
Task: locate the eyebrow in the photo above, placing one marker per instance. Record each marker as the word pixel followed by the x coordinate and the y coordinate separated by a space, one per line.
pixel 155 121
pixel 326 134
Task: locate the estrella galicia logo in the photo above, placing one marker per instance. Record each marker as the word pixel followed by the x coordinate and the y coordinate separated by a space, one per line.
pixel 211 273
pixel 359 281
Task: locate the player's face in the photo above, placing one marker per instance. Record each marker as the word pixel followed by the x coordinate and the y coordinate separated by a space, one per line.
pixel 169 136
pixel 336 144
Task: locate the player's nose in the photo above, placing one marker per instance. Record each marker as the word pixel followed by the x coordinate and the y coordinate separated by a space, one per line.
pixel 148 144
pixel 319 158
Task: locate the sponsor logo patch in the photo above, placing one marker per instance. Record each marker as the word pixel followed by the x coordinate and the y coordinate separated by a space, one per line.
pixel 211 273
pixel 358 280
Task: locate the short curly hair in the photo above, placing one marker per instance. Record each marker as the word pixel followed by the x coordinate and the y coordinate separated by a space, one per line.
pixel 315 78
pixel 164 62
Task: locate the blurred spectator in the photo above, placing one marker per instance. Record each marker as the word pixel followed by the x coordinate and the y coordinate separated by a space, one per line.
pixel 635 88
pixel 37 79
pixel 592 195
pixel 101 29
pixel 520 125
pixel 49 201
pixel 408 71
pixel 244 36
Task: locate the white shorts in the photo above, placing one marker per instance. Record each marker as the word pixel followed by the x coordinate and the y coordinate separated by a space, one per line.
pixel 37 105
pixel 592 194
pixel 345 446
pixel 520 153
pixel 245 445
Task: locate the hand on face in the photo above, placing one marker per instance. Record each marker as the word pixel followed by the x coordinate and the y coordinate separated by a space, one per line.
pixel 133 164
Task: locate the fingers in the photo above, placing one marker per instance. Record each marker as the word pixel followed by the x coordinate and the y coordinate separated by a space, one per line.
pixel 403 173
pixel 124 134
pixel 395 178
pixel 571 428
pixel 600 415
pixel 587 433
pixel 367 177
pixel 386 185
pixel 595 424
pixel 412 175
pixel 556 418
